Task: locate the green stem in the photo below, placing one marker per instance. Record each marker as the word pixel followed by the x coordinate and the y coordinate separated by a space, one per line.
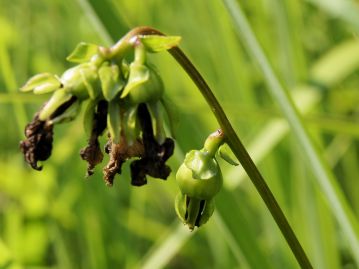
pixel 213 142
pixel 128 41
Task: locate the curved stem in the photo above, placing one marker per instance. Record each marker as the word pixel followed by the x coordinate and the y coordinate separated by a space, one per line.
pixel 230 136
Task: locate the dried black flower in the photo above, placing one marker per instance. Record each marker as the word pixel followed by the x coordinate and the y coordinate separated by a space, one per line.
pixel 155 155
pixel 38 143
pixel 39 136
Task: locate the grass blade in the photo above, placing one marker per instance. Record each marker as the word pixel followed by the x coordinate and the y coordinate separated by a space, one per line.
pixel 339 206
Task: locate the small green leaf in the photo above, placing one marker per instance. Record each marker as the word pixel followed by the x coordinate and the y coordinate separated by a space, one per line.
pixel 89 116
pixel 138 74
pixel 40 79
pixel 225 155
pixel 111 81
pixel 83 53
pixel 57 99
pixel 114 121
pixel 155 43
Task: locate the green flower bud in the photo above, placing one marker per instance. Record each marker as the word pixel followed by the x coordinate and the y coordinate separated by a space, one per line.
pixel 112 81
pixel 199 176
pixel 82 81
pixel 144 85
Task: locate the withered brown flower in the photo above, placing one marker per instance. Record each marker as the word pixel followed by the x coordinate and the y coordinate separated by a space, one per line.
pixel 152 156
pixel 39 136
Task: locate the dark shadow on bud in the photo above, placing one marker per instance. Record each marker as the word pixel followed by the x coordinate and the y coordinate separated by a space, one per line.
pixel 153 161
pixel 92 152
pixel 39 136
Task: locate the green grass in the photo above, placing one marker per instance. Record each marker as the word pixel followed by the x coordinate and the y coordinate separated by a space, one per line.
pixel 291 95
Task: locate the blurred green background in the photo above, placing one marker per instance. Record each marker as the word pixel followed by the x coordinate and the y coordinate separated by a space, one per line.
pixel 58 219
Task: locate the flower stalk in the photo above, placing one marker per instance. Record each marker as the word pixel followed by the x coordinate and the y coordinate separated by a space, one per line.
pixel 124 99
pixel 231 138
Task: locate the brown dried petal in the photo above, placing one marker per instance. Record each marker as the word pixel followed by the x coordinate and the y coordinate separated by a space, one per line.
pixel 154 166
pixel 92 154
pixel 38 143
pixel 119 153
pixel 39 136
pixel 155 155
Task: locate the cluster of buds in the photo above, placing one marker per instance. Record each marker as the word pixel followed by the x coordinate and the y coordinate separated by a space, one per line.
pixel 127 102
pixel 124 100
pixel 200 179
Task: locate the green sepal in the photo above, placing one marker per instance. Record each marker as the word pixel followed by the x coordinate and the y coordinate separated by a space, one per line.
pixel 139 74
pixel 193 211
pixel 89 116
pixel 39 80
pixel 207 212
pixel 225 155
pixel 188 209
pixel 47 87
pixel 125 69
pixel 172 114
pixel 92 91
pixel 156 43
pixel 131 129
pixel 69 114
pixel 57 99
pixel 201 164
pixel 111 81
pixel 114 121
pixel 144 85
pixel 83 53
pixel 156 115
pixel 180 206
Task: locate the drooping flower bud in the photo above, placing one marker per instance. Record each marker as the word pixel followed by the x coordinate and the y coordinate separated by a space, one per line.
pixel 199 179
pixel 82 81
pixel 144 85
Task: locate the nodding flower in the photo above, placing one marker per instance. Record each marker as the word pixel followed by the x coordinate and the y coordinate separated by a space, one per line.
pixel 123 100
pixel 199 179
